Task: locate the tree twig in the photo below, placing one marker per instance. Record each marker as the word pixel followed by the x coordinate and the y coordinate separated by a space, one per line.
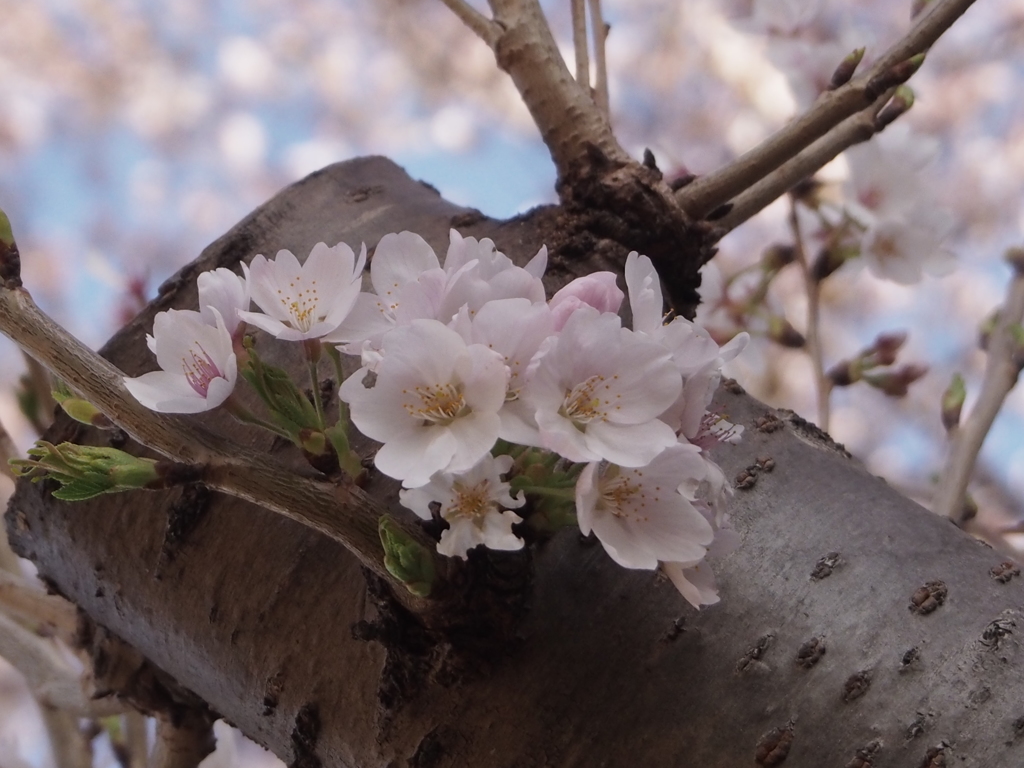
pixel 68 744
pixel 599 33
pixel 833 107
pixel 1002 367
pixel 483 27
pixel 571 124
pixel 854 130
pixel 47 614
pixel 341 511
pixel 579 42
pixel 822 385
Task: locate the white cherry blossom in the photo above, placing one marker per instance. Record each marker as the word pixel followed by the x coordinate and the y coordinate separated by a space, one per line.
pixel 224 291
pixel 304 301
pixel 599 389
pixel 434 404
pixel 472 503
pixel 639 515
pixel 199 368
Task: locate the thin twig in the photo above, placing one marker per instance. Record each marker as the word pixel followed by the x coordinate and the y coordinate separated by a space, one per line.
pixel 1002 368
pixel 483 27
pixel 341 511
pixel 136 739
pixel 822 385
pixel 579 42
pixel 68 744
pixel 854 130
pixel 709 192
pixel 599 33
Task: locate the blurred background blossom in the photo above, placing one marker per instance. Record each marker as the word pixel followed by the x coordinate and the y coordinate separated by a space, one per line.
pixel 133 133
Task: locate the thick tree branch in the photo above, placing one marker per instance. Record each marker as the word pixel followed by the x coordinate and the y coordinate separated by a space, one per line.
pixel 483 27
pixel 1002 368
pixel 832 108
pixel 341 511
pixel 570 123
pixel 854 130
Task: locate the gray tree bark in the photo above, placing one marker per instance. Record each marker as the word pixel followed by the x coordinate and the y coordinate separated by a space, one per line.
pixel 855 628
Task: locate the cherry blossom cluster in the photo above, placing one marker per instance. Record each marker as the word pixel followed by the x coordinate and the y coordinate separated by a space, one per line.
pixel 497 408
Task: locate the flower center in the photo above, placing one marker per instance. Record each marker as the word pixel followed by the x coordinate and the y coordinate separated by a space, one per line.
pixel 581 405
pixel 302 304
pixel 473 502
pixel 200 370
pixel 624 496
pixel 438 403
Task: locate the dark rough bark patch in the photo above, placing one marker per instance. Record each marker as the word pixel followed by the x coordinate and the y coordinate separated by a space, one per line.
pixel 810 653
pixel 1004 572
pixel 756 652
pixel 910 659
pixel 773 748
pixel 826 566
pixel 814 433
pixel 434 747
pixel 865 755
pixel 10 266
pixel 305 736
pixel 928 598
pixel 856 685
pixel 183 517
pixel 935 757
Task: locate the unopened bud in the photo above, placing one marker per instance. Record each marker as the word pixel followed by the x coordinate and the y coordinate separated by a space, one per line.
pixel 901 101
pixel 895 75
pixel 953 402
pixel 10 258
pixel 782 332
pixel 887 345
pixel 897 383
pixel 828 261
pixel 845 373
pixel 1015 258
pixel 776 256
pixel 78 409
pixel 85 471
pixel 405 558
pixel 847 67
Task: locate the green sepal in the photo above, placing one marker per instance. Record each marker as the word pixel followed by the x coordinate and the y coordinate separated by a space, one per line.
pixel 86 471
pixel 406 559
pixel 348 459
pixel 288 405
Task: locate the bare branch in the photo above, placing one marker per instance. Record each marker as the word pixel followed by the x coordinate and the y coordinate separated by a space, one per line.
pixel 1002 368
pixel 571 124
pixel 136 738
pixel 854 130
pixel 68 744
pixel 341 511
pixel 599 32
pixel 484 28
pixel 833 107
pixel 579 42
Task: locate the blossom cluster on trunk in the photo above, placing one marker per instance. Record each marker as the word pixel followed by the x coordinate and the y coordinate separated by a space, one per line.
pixel 486 396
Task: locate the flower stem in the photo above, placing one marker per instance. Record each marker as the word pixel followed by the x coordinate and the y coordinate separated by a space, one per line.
pixel 234 406
pixel 317 400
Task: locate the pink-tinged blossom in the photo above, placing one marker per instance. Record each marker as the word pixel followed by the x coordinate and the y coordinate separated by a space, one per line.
pixel 479 273
pixel 696 355
pixel 199 367
pixel 597 290
pixel 599 389
pixel 639 515
pixel 304 301
pixel 473 504
pixel 694 580
pixel 516 329
pixel 434 404
pixel 224 291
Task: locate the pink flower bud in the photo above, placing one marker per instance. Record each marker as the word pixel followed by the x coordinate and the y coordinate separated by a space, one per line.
pixel 597 290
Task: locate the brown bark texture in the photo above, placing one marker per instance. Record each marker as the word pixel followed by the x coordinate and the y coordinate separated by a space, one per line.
pixel 855 628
